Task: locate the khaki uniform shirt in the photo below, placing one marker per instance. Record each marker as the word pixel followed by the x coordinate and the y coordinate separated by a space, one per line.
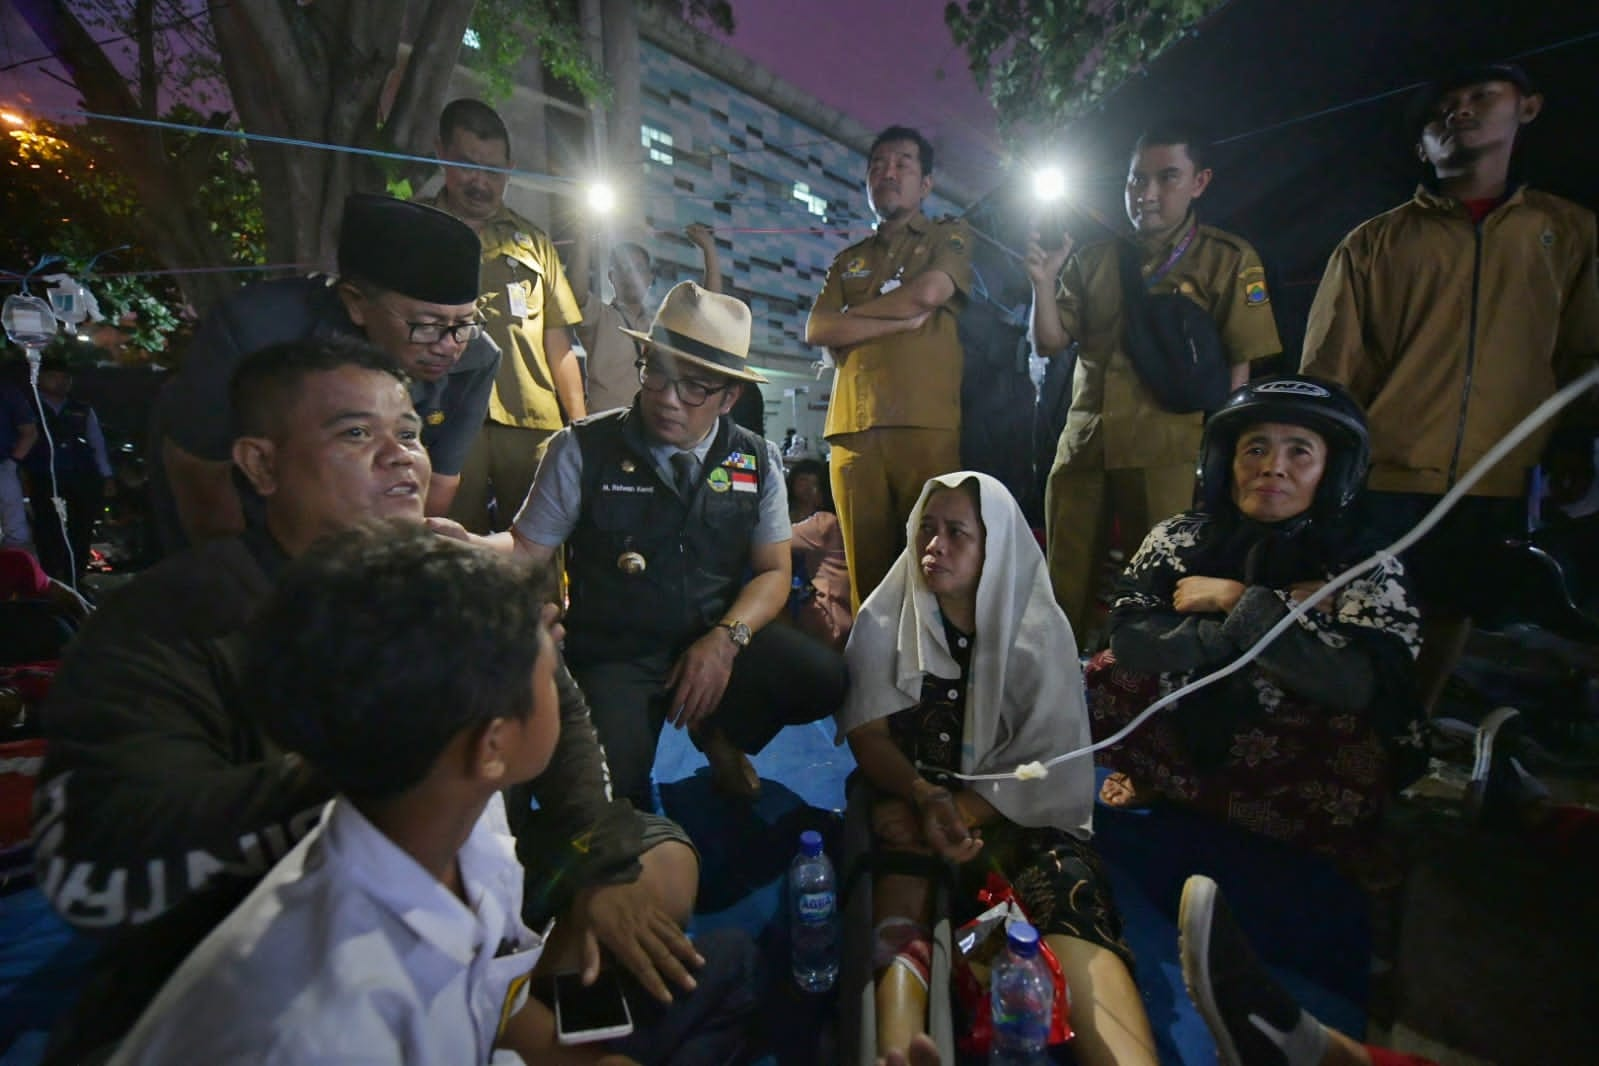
pixel 1450 333
pixel 612 379
pixel 524 293
pixel 911 378
pixel 1115 422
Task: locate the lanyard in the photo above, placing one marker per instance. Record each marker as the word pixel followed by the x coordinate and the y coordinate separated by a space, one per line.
pixel 1176 254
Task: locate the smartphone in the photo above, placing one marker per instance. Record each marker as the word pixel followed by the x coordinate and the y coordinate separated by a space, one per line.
pixel 586 1013
pixel 1051 223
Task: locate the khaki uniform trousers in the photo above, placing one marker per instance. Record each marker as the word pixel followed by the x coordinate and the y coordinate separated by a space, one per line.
pixel 877 477
pixel 1079 506
pixel 499 468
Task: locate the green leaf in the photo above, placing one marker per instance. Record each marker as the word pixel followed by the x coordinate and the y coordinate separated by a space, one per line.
pixel 1058 58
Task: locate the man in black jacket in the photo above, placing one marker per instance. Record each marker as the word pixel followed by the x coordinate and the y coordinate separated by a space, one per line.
pixel 160 805
pixel 675 524
pixel 408 283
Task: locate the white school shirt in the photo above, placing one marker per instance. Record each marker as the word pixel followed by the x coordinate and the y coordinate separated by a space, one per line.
pixel 349 952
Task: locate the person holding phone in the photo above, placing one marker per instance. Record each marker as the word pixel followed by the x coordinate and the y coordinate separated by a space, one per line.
pixel 162 803
pixel 393 931
pixel 1122 459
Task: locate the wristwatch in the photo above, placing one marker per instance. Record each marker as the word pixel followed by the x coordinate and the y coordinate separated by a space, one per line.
pixel 738 631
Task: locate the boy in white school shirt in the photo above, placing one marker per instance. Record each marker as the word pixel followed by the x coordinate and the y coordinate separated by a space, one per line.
pixel 392 932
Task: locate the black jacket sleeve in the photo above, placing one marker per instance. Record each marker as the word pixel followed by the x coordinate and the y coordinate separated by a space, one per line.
pixel 1338 675
pixel 193 409
pixel 152 785
pixel 1166 641
pixel 465 404
pixel 1155 642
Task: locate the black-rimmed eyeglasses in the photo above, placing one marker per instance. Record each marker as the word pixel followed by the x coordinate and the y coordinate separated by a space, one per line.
pixel 433 332
pixel 692 393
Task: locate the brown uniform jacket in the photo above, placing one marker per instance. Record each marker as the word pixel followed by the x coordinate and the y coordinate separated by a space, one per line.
pixel 1450 333
pixel 1115 422
pixel 904 379
pixel 518 254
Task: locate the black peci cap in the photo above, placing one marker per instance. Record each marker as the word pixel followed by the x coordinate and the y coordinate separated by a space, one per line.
pixel 409 248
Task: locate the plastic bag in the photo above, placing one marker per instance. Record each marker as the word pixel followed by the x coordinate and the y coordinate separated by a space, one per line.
pixel 977 943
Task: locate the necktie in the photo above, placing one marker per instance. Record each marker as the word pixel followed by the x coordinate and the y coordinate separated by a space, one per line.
pixel 683 473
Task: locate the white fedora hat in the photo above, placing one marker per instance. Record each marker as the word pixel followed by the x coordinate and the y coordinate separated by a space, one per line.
pixel 705 328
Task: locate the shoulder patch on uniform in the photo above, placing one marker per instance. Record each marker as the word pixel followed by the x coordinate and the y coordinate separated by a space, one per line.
pixel 1250 271
pixel 1221 236
pixel 852 250
pixel 855 268
pixel 435 418
pixel 956 242
pixel 1255 292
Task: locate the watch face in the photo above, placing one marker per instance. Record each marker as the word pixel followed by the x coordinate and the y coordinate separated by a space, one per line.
pixel 740 632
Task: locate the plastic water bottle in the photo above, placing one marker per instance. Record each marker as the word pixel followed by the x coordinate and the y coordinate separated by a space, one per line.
pixel 1022 995
pixel 813 915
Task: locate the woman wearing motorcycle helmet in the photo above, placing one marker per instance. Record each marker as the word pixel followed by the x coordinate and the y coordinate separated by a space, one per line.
pixel 1307 742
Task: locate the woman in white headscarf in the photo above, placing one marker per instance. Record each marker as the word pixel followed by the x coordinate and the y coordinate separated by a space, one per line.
pixel 961 661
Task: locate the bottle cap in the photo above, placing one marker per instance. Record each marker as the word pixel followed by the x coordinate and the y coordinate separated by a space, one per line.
pixel 811 842
pixel 1023 939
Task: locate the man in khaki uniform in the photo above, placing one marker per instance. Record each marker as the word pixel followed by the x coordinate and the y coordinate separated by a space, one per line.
pixel 1451 317
pixel 613 356
pixel 1122 458
pixel 527 308
pixel 887 314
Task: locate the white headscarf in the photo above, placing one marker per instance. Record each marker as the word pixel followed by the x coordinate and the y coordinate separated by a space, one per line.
pixel 1024 695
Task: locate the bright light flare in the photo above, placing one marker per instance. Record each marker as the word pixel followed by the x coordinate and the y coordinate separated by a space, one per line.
pixel 601 198
pixel 1049 184
pixel 11 118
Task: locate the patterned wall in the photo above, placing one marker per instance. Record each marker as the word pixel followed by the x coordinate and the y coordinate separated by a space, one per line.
pixel 735 162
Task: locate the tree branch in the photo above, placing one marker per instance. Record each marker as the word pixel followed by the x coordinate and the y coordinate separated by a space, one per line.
pixel 144 21
pixel 420 96
pixel 166 223
pixel 263 60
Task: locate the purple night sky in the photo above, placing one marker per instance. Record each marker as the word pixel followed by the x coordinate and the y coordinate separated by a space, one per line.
pixel 879 63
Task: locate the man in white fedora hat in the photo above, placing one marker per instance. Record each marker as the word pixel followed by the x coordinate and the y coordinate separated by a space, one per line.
pixel 675 524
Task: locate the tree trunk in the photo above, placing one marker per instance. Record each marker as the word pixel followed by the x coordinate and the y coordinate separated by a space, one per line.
pixel 622 68
pixel 308 72
pixel 316 73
